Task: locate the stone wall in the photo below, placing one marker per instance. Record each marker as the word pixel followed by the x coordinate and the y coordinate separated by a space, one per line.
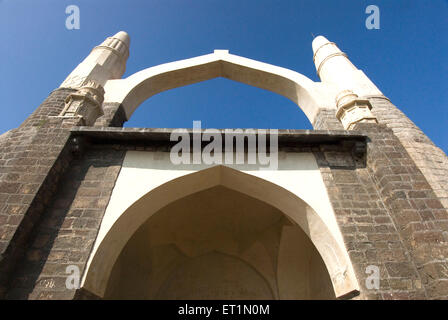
pixel 67 230
pixel 326 120
pixel 114 116
pixel 390 217
pixel 430 159
pixel 32 158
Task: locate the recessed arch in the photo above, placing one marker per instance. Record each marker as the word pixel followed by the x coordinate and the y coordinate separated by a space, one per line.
pixel 332 253
pixel 310 96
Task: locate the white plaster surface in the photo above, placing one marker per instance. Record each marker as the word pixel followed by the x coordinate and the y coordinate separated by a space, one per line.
pixel 145 171
pixel 151 175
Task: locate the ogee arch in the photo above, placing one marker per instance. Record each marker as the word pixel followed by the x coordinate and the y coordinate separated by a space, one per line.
pixel 310 96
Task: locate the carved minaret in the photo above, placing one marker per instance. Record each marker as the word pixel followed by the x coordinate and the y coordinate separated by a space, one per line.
pixel 360 100
pixel 106 61
pixel 40 143
pixel 334 67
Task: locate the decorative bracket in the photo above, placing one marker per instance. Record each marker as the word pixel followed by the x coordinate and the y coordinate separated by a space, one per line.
pixel 85 103
pixel 352 109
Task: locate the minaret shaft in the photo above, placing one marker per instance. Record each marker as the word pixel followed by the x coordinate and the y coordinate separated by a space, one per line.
pixel 106 61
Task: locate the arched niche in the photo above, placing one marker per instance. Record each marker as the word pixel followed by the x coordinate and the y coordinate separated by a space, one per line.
pixel 310 96
pixel 334 256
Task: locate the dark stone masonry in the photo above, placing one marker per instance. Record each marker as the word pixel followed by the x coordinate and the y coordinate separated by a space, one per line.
pixel 390 216
pixel 386 181
pixel 56 181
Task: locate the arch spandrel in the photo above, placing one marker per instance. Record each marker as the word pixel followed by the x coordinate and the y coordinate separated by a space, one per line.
pixel 299 212
pixel 310 96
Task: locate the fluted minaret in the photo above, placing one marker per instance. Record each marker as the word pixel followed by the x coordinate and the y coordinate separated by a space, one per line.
pixel 106 61
pixel 333 66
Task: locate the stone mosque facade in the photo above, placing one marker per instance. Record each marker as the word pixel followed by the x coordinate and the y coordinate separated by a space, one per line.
pixel 356 209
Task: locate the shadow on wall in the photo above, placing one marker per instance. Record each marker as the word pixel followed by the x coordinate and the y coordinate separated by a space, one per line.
pixel 118 230
pixel 219 244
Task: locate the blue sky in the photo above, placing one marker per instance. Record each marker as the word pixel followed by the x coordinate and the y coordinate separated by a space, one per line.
pixel 406 58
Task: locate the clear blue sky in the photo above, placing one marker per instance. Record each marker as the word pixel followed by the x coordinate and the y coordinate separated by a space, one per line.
pixel 406 58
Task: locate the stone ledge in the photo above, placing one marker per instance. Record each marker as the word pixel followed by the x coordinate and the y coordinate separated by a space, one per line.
pixel 286 137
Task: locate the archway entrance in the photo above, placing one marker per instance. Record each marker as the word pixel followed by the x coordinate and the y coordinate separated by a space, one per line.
pixel 219 244
pixel 178 225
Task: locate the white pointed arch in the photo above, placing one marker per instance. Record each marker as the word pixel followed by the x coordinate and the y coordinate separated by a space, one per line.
pixel 333 254
pixel 310 96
